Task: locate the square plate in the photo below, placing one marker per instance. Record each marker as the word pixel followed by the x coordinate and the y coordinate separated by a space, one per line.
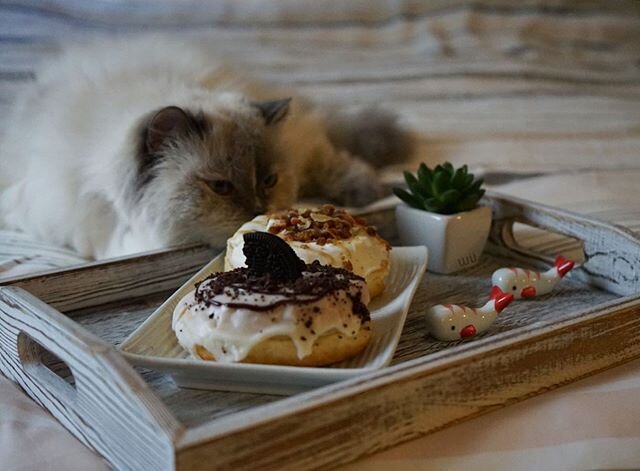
pixel 154 345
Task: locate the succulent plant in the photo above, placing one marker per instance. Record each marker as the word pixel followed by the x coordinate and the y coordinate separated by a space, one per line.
pixel 444 189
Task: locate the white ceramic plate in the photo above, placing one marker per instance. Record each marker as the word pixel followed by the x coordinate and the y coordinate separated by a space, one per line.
pixel 154 345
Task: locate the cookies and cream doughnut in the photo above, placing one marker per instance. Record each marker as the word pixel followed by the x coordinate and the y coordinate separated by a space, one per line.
pixel 329 235
pixel 278 310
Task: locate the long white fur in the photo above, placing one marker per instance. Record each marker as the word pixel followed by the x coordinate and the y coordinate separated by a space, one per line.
pixel 72 130
pixel 71 138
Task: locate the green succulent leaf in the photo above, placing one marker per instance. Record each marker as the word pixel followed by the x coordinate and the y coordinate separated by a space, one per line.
pixel 470 201
pixel 475 186
pixel 457 180
pixel 425 177
pixel 444 189
pixel 408 198
pixel 409 178
pixel 433 205
pixel 450 197
pixel 415 186
pixel 440 182
pixel 468 180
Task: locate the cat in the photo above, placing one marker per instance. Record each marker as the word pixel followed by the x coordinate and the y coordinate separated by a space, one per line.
pixel 122 147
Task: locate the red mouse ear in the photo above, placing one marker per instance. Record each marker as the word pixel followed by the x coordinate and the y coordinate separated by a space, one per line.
pixel 528 292
pixel 468 331
pixel 496 292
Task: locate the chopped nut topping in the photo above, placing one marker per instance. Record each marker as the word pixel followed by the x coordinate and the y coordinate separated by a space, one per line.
pixel 321 226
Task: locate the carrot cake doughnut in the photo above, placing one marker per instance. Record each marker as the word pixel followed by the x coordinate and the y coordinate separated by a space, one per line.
pixel 331 236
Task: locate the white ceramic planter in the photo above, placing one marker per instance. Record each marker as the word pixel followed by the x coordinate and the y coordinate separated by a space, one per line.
pixel 454 241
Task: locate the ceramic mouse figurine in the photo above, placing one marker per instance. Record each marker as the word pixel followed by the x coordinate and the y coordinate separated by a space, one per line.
pixel 455 322
pixel 526 283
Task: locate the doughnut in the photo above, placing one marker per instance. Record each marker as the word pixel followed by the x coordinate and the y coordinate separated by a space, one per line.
pixel 327 234
pixel 277 310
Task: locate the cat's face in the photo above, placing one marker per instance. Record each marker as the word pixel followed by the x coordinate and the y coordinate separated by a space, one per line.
pixel 204 174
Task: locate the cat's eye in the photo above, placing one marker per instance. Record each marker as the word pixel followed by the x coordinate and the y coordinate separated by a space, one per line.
pixel 271 180
pixel 221 187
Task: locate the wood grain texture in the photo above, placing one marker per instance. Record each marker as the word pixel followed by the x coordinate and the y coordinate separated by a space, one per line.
pixel 115 322
pixel 214 422
pixel 505 85
pixel 114 280
pixel 514 86
pixel 292 13
pixel 612 253
pixel 334 426
pixel 109 407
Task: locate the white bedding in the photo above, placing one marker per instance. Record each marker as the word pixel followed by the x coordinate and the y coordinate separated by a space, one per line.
pixel 21 255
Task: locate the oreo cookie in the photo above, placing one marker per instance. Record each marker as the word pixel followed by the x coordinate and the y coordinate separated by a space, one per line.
pixel 269 254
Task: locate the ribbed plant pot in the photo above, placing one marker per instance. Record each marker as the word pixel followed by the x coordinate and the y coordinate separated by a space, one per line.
pixel 454 241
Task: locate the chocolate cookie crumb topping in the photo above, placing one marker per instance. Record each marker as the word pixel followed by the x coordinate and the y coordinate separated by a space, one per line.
pixel 266 253
pixel 317 281
pixel 359 308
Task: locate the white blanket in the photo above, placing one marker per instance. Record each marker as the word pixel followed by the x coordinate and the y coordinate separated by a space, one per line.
pixel 21 255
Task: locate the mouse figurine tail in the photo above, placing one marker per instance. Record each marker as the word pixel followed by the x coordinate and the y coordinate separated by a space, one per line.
pixel 501 299
pixel 563 265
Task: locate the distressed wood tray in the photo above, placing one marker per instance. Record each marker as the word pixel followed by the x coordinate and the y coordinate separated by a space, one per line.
pixel 58 331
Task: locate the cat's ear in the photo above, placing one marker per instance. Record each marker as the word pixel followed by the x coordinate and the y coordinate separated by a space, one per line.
pixel 168 123
pixel 273 111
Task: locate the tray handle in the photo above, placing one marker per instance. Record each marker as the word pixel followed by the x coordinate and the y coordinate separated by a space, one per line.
pixel 84 383
pixel 611 252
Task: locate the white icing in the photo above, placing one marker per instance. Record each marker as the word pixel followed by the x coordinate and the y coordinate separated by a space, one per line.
pixel 367 254
pixel 230 333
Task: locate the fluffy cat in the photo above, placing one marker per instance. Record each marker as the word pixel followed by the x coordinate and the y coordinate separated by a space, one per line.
pixel 125 147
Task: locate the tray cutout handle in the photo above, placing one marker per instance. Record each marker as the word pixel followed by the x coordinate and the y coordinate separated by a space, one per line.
pixel 46 367
pixel 510 232
pixel 611 253
pixel 108 407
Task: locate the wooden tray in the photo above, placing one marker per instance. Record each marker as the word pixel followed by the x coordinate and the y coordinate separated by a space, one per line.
pixel 138 419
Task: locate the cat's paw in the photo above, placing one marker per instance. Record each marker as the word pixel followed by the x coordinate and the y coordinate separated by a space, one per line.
pixel 372 134
pixel 360 196
pixel 358 188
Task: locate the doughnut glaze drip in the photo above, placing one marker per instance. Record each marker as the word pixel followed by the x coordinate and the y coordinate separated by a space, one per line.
pixel 229 313
pixel 241 289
